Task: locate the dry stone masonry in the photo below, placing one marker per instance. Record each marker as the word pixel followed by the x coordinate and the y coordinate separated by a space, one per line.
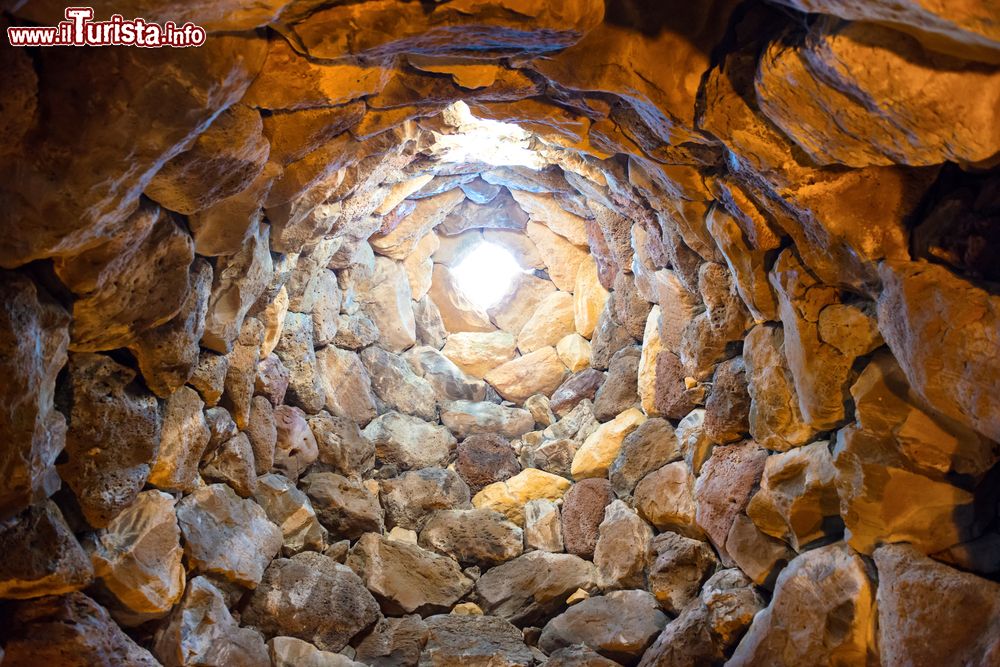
pixel 739 406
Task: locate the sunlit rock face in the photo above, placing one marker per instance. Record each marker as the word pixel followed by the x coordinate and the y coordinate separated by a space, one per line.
pixel 566 332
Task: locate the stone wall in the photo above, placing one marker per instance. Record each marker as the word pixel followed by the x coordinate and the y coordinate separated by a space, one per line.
pixel 740 408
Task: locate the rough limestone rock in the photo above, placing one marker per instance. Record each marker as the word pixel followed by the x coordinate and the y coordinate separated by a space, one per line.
pixel 341 445
pixel 478 353
pixel 386 299
pixel 397 386
pixel 579 656
pixel 295 448
pixel 138 558
pixel 168 354
pixel 262 432
pixel 241 374
pixel 394 641
pixel 209 377
pixel 831 64
pixel 343 506
pixel 619 625
pixel 313 598
pixel 34 334
pixel 49 560
pixel 292 652
pixel 415 496
pixel 760 556
pixel 582 513
pixel 450 382
pixel 233 464
pixel 620 389
pixel 289 509
pixel 457 312
pixel 202 630
pixel 465 418
pixel 472 537
pixel 820 368
pixel 944 363
pixel 665 498
pixel 798 497
pixel 474 640
pixel 119 297
pixel 577 387
pixel 295 350
pixel 608 337
pixel 542 526
pixel 405 578
pixel 226 535
pixel 724 488
pixel 622 552
pixel 679 568
pixel 509 496
pixel 484 459
pixel 183 440
pixel 574 351
pixel 534 586
pixel 272 380
pixel 538 372
pixel 70 630
pixel 113 437
pixel 649 447
pixel 525 294
pixel 562 259
pixel 775 420
pixel 600 450
pixel 912 590
pixel 238 282
pixel 346 385
pixel 409 442
pixel 822 612
pixel 589 298
pixel 551 321
pixel 900 454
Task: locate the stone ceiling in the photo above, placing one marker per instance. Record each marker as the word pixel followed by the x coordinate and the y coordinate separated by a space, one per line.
pixel 739 409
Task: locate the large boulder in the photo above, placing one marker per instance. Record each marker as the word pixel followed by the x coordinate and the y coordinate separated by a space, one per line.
pixel 49 560
pixel 409 442
pixel 201 630
pixel 227 536
pixel 474 640
pixel 344 506
pixel 113 437
pixel 314 598
pixel 406 578
pixel 534 586
pixel 75 631
pixel 34 331
pixel 619 625
pixel 414 496
pixel 138 558
pixel 472 537
pixel 822 612
pixel 912 592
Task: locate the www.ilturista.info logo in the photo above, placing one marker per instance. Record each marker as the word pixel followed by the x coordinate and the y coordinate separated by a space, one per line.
pixel 79 29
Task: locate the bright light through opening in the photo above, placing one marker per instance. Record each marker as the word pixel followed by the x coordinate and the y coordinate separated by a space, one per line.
pixel 483 140
pixel 484 275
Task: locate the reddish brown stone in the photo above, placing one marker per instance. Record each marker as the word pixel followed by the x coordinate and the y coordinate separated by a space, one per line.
pixel 582 514
pixel 727 410
pixel 577 387
pixel 724 488
pixel 484 459
pixel 671 398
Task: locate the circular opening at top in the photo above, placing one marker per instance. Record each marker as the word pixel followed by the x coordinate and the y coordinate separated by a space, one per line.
pixel 485 273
